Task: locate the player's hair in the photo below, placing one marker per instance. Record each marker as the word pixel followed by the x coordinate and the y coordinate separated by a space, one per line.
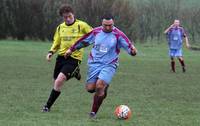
pixel 107 16
pixel 65 8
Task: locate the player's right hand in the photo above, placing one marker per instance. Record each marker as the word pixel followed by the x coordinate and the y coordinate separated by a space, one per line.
pixel 171 25
pixel 48 57
pixel 67 53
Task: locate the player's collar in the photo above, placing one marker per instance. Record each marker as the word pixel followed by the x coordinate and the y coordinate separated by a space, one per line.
pixel 108 32
pixel 71 23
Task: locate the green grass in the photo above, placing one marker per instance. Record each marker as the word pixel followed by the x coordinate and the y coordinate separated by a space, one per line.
pixel 156 96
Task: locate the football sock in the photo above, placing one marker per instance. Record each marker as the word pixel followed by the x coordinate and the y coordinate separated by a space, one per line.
pixel 182 62
pixel 97 101
pixel 173 66
pixel 105 91
pixel 53 96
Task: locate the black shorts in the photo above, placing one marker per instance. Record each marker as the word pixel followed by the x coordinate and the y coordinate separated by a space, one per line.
pixel 66 66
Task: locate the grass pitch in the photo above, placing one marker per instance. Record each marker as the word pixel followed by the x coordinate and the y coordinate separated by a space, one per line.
pixel 156 96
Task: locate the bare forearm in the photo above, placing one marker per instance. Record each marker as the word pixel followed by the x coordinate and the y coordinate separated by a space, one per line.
pixel 186 40
pixel 167 30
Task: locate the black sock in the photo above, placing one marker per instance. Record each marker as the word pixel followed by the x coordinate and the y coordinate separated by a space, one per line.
pixel 52 98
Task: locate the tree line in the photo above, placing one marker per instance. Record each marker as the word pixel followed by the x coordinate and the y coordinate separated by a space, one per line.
pixel 141 20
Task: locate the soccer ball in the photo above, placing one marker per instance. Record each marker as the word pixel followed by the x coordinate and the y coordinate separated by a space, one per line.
pixel 123 112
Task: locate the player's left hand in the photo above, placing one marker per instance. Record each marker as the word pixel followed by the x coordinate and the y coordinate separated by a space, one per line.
pixel 67 53
pixel 188 46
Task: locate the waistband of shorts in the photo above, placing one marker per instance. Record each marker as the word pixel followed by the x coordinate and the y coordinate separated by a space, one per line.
pixel 69 57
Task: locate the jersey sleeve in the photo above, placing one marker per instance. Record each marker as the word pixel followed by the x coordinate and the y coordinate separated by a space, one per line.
pixel 84 41
pixel 184 34
pixel 125 43
pixel 56 41
pixel 169 32
pixel 168 36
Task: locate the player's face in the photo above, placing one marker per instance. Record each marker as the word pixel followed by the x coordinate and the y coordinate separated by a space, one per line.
pixel 176 23
pixel 68 18
pixel 107 25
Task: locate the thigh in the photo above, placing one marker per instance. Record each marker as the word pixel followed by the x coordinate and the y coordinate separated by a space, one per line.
pixel 107 73
pixel 68 70
pixel 69 66
pixel 58 67
pixel 92 74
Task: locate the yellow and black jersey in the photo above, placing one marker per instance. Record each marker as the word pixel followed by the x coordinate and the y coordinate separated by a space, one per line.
pixel 66 35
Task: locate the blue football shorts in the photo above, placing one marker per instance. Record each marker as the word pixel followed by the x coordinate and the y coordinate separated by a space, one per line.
pixel 175 52
pixel 102 72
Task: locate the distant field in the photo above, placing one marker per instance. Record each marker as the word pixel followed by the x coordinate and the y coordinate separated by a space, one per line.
pixel 156 96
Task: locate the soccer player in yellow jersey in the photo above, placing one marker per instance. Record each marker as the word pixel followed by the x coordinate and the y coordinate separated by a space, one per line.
pixel 67 33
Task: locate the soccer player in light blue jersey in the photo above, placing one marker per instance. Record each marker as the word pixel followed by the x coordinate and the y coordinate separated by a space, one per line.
pixel 103 58
pixel 175 34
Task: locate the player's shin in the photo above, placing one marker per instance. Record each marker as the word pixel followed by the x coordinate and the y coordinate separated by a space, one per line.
pixel 97 101
pixel 105 91
pixel 182 64
pixel 173 66
pixel 52 98
pixel 98 98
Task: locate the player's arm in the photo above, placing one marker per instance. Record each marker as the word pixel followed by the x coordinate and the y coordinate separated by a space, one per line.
pixel 186 40
pixel 168 29
pixel 186 37
pixel 127 45
pixel 55 46
pixel 84 41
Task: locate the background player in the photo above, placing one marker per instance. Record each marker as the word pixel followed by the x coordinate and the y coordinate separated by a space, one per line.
pixel 175 34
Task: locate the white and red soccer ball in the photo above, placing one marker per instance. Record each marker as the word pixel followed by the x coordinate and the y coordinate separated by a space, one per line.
pixel 123 112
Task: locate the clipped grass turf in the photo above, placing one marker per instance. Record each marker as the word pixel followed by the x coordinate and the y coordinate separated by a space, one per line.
pixel 156 96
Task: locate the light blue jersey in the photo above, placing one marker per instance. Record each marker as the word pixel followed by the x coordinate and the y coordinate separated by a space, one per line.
pixel 175 37
pixel 104 56
pixel 106 46
pixel 175 40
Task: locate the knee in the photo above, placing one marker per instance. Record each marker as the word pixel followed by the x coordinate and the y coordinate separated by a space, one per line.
pixel 90 87
pixel 100 91
pixel 101 88
pixel 58 84
pixel 58 81
pixel 61 78
pixel 180 58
